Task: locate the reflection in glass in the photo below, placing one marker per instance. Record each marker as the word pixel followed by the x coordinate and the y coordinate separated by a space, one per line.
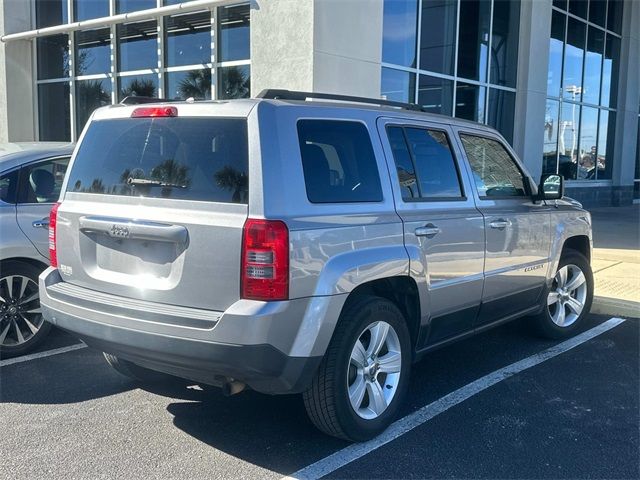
pixel 435 94
pixel 504 42
pixel 125 6
pixel 399 30
pixel 588 144
pixel 610 72
pixel 568 140
pixel 51 12
pixel 137 45
pixel 573 58
pixel 500 112
pixel 188 39
pixel 53 56
pixel 598 12
pixel 556 43
pixel 560 4
pixel 93 54
pixel 193 83
pixel 234 82
pixel 138 86
pixel 438 36
pixel 90 94
pixel 54 115
pixel 398 85
pixel 614 15
pixel 86 9
pixel 606 142
pixel 473 39
pixel 233 35
pixel 470 102
pixel 593 66
pixel 550 142
pixel 578 7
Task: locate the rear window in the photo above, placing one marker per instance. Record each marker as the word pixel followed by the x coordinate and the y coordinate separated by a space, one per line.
pixel 338 162
pixel 203 159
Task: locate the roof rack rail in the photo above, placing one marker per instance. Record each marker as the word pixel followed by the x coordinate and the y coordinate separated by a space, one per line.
pixel 135 100
pixel 277 94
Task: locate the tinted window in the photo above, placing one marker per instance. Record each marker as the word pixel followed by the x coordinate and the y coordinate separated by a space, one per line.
pixel 494 171
pixel 182 158
pixel 338 162
pixel 8 186
pixel 42 182
pixel 404 164
pixel 425 157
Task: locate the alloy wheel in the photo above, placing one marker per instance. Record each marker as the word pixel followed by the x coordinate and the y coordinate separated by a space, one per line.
pixel 374 370
pixel 568 295
pixel 20 313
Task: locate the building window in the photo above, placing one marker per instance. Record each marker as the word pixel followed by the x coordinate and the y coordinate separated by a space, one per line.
pixel 582 82
pixel 202 55
pixel 455 57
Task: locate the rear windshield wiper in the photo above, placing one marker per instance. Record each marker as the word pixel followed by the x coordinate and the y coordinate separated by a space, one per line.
pixel 153 183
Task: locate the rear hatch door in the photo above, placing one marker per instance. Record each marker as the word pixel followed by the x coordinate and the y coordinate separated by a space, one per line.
pixel 154 210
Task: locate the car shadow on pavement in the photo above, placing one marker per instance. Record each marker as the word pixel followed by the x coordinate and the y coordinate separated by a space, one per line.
pixel 272 432
pixel 61 379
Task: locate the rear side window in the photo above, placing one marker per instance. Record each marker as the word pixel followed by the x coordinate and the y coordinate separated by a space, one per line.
pixel 494 171
pixel 185 158
pixel 338 162
pixel 41 182
pixel 425 164
pixel 9 186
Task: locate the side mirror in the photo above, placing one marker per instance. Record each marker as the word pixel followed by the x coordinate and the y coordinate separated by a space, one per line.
pixel 551 187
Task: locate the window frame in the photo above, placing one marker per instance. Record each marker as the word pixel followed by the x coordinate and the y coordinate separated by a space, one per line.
pixel 525 176
pixel 421 199
pixel 373 151
pixel 22 178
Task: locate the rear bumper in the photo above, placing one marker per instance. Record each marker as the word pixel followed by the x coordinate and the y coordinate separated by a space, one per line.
pixel 208 355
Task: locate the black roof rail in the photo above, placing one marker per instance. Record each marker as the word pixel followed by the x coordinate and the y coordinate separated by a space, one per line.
pixel 135 100
pixel 277 94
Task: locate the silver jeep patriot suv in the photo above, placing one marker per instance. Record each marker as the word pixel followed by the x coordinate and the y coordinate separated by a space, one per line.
pixel 305 243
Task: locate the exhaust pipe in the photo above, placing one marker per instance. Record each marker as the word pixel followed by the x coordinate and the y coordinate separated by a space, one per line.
pixel 231 387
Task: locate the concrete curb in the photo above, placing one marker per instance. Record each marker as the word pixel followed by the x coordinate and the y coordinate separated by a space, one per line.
pixel 614 306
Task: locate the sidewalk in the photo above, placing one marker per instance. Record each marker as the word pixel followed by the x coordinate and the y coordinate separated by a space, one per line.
pixel 616 261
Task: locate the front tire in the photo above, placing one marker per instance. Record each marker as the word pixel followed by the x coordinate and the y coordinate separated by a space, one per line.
pixel 363 378
pixel 22 327
pixel 569 299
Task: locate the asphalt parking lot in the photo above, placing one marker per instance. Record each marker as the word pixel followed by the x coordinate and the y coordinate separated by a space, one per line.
pixel 574 414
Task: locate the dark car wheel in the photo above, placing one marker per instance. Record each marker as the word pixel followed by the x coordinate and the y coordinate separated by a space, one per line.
pixel 22 327
pixel 363 377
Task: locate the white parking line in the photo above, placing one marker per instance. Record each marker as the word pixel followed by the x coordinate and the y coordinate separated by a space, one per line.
pixel 353 452
pixel 46 353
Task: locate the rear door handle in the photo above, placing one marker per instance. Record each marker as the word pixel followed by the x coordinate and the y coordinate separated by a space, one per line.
pixel 141 230
pixel 429 231
pixel 500 224
pixel 44 223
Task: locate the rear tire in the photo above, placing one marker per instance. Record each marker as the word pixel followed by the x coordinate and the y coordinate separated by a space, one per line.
pixel 22 327
pixel 569 298
pixel 133 371
pixel 363 378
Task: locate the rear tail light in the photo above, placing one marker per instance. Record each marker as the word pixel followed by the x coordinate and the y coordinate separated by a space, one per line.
pixel 53 223
pixel 265 260
pixel 144 112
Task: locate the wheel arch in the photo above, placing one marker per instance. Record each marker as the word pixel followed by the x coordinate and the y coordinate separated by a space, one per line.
pixel 402 291
pixel 579 243
pixel 30 261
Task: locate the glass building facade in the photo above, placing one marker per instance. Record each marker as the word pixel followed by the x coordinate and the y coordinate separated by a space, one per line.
pixel 454 57
pixel 200 54
pixel 580 113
